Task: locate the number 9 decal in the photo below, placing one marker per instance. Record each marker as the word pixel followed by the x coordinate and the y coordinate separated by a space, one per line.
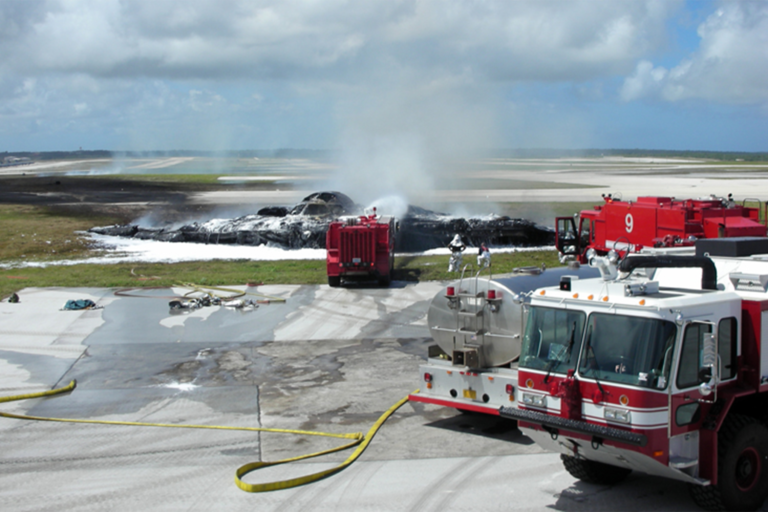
pixel 629 222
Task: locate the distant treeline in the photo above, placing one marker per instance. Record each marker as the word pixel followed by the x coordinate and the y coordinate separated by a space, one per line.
pixel 645 153
pixel 323 153
pixel 100 153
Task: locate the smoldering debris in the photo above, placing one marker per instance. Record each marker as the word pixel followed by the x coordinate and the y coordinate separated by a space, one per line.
pixel 304 226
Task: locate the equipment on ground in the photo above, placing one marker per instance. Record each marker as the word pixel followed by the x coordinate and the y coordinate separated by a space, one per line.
pixel 477 324
pixel 628 226
pixel 660 365
pixel 361 248
pixel 79 304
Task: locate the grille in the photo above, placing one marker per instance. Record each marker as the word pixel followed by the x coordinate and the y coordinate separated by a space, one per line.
pixel 357 243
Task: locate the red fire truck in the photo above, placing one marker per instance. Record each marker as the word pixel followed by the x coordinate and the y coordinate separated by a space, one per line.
pixel 361 247
pixel 660 365
pixel 653 222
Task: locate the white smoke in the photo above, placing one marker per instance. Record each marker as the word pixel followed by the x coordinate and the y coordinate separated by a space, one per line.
pixel 412 138
pixel 393 205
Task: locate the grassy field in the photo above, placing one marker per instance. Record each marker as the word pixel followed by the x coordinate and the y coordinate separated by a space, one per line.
pixel 41 234
pixel 217 273
pixel 33 233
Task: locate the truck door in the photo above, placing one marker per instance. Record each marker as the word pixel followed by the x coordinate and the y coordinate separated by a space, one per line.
pixel 566 238
pixel 586 233
pixel 685 415
pixel 686 399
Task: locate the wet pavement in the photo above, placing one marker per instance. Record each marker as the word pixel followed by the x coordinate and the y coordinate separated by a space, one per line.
pixel 328 359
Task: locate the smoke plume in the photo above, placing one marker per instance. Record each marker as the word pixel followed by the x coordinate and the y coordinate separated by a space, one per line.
pixel 411 139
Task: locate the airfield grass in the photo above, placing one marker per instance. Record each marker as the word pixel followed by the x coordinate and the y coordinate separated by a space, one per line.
pixel 240 272
pixel 34 233
pixel 45 235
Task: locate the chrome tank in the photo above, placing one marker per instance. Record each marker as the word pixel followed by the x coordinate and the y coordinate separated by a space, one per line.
pixel 478 331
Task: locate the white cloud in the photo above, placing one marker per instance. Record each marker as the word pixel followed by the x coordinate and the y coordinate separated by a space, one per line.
pixel 334 38
pixel 645 81
pixel 309 73
pixel 730 65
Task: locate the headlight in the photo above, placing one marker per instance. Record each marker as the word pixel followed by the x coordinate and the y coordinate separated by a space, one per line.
pixel 535 400
pixel 617 415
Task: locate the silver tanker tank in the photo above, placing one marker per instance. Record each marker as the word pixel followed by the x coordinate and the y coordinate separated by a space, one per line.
pixel 479 322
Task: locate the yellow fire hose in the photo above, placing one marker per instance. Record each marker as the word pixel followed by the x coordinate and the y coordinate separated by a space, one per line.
pixel 198 288
pixel 358 439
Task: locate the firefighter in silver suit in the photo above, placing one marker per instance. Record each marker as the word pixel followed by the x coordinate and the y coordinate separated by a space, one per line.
pixel 457 247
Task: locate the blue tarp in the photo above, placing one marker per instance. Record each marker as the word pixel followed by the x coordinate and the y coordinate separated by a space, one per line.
pixel 80 304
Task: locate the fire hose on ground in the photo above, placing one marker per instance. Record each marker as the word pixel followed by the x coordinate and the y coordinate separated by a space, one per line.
pixel 199 290
pixel 358 440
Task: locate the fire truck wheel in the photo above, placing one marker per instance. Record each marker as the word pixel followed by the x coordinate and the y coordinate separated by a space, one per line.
pixel 334 281
pixel 742 468
pixel 384 281
pixel 594 472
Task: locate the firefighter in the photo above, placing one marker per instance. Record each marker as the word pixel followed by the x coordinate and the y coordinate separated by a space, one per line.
pixel 483 257
pixel 457 247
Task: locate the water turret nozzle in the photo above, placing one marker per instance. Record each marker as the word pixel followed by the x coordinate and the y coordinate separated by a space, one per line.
pixel 605 264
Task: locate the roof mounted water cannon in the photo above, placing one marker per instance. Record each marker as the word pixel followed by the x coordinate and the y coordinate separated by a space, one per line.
pixel 607 265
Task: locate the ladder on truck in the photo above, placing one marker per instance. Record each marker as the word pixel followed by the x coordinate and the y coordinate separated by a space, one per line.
pixel 470 317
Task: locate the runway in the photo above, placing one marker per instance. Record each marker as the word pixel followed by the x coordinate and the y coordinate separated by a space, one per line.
pixel 326 359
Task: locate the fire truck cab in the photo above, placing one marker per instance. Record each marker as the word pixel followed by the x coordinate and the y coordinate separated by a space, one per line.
pixel 660 366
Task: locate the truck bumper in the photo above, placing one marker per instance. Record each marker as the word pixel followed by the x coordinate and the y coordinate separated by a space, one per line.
pixel 456 404
pixel 484 391
pixel 554 424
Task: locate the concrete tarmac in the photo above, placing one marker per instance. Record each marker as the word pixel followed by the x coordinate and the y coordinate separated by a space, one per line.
pixel 327 359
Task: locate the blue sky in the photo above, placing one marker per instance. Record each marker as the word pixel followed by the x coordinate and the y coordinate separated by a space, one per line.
pixel 427 77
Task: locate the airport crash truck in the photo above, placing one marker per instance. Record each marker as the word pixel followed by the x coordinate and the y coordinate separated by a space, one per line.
pixel 361 248
pixel 477 325
pixel 654 222
pixel 660 365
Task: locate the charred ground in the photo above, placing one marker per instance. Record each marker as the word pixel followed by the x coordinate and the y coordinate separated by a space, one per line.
pixel 125 198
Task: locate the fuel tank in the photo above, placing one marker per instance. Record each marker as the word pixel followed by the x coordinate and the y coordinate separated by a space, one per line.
pixel 479 321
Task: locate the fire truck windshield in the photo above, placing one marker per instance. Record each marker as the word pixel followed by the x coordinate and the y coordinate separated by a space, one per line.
pixel 626 349
pixel 552 339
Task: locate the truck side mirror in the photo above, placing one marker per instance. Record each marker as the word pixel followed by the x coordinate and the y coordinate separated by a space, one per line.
pixel 708 373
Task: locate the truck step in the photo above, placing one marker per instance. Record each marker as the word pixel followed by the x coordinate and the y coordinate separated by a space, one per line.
pixel 678 462
pixel 464 312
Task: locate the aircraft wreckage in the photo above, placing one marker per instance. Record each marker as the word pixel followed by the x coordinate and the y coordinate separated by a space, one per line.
pixel 305 225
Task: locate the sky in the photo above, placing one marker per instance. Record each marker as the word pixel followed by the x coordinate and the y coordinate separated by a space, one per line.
pixel 402 78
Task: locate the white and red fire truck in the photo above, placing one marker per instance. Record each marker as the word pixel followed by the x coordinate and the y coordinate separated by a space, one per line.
pixel 478 328
pixel 654 222
pixel 660 365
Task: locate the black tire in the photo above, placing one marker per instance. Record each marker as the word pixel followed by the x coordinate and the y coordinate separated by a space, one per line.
pixel 384 281
pixel 334 281
pixel 594 472
pixel 742 469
